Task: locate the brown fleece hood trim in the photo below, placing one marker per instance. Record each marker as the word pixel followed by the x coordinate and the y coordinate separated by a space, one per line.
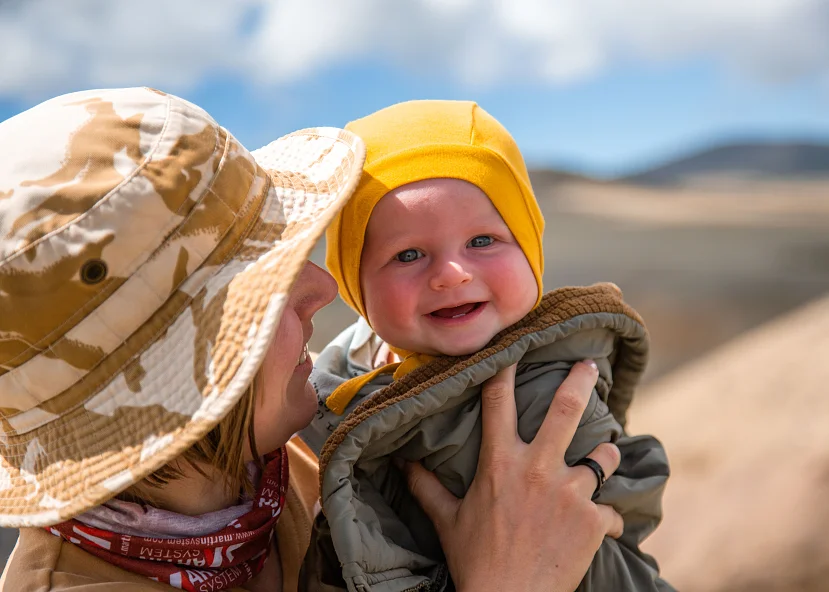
pixel 556 307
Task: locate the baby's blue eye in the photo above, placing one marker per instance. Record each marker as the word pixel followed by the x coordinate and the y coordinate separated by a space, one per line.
pixel 408 255
pixel 481 241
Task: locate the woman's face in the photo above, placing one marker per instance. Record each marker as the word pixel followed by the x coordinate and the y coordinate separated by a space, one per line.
pixel 286 401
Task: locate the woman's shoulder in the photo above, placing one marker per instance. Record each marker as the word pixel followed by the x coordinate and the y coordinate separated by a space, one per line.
pixel 293 530
pixel 42 561
pixel 303 472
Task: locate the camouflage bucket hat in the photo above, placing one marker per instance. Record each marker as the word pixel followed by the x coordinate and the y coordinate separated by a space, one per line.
pixel 145 259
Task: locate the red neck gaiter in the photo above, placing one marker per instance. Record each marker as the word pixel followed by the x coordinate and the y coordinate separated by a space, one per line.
pixel 221 560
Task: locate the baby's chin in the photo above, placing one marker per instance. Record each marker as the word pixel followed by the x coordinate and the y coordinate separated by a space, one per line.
pixel 460 352
pixel 468 345
pixel 463 349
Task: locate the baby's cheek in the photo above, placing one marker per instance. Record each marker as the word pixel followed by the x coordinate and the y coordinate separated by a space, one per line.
pixel 515 286
pixel 390 310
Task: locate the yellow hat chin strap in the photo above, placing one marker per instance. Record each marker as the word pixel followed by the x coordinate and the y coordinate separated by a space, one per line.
pixel 343 395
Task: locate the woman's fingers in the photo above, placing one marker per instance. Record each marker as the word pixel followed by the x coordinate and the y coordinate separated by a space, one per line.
pixel 570 401
pixel 608 457
pixel 438 502
pixel 499 418
pixel 526 521
pixel 612 521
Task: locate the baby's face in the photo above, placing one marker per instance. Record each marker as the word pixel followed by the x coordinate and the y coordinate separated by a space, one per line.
pixel 441 273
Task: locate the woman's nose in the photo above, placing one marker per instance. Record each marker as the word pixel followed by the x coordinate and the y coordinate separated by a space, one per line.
pixel 313 289
pixel 449 275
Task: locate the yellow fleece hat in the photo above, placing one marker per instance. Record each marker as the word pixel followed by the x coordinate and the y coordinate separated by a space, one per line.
pixel 419 140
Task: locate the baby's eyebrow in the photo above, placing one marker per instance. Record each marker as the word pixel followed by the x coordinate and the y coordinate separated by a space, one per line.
pixel 398 247
pixel 392 246
pixel 392 239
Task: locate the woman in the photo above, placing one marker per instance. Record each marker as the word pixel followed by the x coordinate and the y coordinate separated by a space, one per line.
pixel 156 305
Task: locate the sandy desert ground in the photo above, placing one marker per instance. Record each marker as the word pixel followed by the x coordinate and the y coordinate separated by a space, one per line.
pixel 745 427
pixel 744 421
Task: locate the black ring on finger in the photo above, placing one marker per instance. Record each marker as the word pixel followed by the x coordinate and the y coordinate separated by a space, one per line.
pixel 597 470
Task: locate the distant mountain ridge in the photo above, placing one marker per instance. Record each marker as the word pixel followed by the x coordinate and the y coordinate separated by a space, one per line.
pixel 757 160
pixel 548 177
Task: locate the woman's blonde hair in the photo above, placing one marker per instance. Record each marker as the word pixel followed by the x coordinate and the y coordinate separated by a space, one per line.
pixel 223 448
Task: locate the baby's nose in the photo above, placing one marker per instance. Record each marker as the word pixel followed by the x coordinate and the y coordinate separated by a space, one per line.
pixel 450 275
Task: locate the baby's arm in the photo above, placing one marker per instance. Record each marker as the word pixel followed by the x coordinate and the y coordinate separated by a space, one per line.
pixel 332 368
pixel 634 490
pixel 324 380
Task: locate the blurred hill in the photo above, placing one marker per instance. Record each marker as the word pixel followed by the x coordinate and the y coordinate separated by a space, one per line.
pixel 546 179
pixel 740 162
pixel 745 428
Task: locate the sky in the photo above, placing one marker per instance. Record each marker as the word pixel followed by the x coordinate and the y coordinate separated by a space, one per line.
pixel 602 87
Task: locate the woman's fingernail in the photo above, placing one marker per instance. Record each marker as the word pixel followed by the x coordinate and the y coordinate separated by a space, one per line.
pixel 592 364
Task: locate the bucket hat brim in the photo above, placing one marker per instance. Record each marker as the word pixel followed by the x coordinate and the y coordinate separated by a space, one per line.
pixel 166 386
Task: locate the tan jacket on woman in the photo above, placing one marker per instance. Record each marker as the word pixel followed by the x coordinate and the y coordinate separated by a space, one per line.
pixel 41 561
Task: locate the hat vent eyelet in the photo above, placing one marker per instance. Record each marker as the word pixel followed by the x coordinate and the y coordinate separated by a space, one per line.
pixel 93 272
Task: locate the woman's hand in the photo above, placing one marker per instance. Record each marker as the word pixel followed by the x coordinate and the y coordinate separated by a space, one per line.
pixel 527 521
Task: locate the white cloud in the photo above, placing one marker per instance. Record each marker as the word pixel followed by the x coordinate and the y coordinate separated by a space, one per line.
pixel 51 45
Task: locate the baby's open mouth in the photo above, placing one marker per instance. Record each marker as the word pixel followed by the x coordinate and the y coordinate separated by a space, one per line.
pixel 456 312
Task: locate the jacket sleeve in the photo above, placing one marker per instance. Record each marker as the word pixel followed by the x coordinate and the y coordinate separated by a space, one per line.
pixel 634 490
pixel 325 379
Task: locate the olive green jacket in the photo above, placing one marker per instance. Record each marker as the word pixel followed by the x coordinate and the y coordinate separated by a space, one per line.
pixel 374 536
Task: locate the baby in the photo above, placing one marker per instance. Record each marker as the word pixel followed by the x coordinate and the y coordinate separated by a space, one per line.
pixel 440 252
